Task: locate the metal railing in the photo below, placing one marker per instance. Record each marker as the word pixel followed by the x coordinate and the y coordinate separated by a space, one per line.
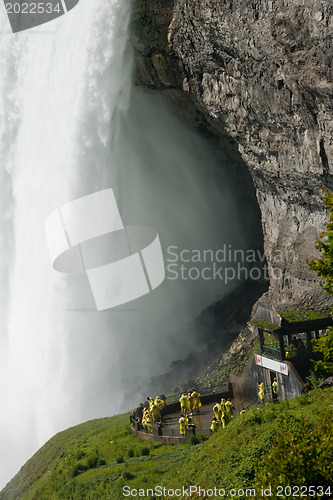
pixel 271 350
pixel 254 401
pixel 215 389
pixel 244 404
pixel 174 432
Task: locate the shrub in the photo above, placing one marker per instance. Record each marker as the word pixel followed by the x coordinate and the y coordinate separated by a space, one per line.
pixel 198 438
pixel 80 454
pixel 120 460
pixel 130 453
pixel 79 468
pixel 202 437
pixel 313 380
pixel 145 451
pixel 324 348
pixel 92 461
pixel 127 475
pixel 293 458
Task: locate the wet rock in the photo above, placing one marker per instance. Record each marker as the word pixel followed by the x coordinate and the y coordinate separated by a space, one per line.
pixel 261 74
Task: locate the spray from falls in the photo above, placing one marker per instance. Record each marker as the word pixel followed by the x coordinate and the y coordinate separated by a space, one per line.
pixel 71 125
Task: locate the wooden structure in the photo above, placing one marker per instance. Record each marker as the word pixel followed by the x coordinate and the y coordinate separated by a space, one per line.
pixel 285 345
pixel 285 329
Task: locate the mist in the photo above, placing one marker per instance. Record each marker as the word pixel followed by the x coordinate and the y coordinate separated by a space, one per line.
pixel 72 124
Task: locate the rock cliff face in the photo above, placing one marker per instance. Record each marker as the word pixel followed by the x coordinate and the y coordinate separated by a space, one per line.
pixel 259 72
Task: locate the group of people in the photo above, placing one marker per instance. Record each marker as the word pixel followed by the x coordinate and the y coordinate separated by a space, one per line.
pixel 185 422
pixel 191 403
pixel 223 413
pixel 262 390
pixel 149 413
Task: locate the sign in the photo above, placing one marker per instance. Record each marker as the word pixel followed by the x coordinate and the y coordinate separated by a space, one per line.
pixel 276 366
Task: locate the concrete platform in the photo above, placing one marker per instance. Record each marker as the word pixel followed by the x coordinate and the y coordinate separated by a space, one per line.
pixel 201 420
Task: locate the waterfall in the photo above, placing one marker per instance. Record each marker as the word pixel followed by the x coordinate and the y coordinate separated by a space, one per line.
pixel 71 124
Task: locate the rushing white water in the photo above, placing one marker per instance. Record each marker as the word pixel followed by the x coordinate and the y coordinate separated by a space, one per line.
pixel 71 125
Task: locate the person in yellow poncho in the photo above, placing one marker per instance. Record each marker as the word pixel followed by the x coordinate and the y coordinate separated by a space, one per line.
pixel 215 425
pixel 190 402
pixel 275 389
pixel 156 414
pixel 261 391
pixel 147 421
pixel 223 406
pixel 224 420
pixel 196 400
pixel 183 403
pixel 159 402
pixel 150 401
pixel 229 409
pixel 182 425
pixel 217 411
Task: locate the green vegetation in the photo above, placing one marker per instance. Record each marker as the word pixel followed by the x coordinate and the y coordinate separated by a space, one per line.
pixel 271 341
pixel 265 325
pixel 238 456
pixel 232 362
pixel 92 461
pixel 293 459
pixel 299 315
pixel 323 266
pixel 324 348
pixel 82 463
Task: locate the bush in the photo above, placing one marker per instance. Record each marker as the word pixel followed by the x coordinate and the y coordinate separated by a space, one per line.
pixel 323 266
pixel 130 453
pixel 80 454
pixel 120 460
pixel 193 440
pixel 293 458
pixel 127 475
pixel 145 451
pixel 324 348
pixel 198 438
pixel 313 380
pixel 79 468
pixel 92 461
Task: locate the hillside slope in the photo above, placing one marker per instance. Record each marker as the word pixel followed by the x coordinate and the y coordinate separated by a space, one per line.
pixel 99 458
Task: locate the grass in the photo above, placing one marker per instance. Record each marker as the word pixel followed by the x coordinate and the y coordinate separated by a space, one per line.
pixel 83 463
pixel 235 457
pixel 271 340
pixel 302 315
pixel 265 325
pixel 86 459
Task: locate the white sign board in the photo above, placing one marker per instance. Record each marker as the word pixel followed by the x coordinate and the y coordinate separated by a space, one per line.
pixel 275 366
